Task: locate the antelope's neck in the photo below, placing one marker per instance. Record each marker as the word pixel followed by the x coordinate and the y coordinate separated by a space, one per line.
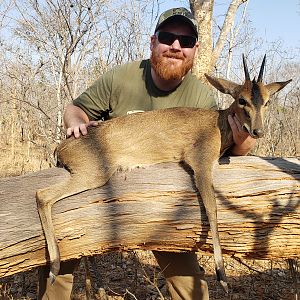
pixel 225 129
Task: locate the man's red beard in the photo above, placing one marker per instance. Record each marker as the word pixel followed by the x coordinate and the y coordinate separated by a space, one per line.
pixel 168 70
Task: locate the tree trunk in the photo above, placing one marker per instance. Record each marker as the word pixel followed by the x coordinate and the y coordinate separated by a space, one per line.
pixel 207 55
pixel 202 11
pixel 157 208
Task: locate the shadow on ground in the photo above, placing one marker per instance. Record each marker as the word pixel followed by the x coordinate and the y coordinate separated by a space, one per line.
pixel 135 275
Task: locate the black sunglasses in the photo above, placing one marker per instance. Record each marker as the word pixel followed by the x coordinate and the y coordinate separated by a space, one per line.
pixel 168 38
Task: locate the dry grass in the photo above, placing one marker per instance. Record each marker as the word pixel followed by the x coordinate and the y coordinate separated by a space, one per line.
pixel 135 275
pixel 24 159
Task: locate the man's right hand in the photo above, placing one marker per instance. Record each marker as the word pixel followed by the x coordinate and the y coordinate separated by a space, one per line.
pixel 81 129
pixel 76 121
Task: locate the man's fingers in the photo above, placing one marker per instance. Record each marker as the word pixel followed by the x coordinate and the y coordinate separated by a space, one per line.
pixel 93 123
pixel 232 123
pixel 69 131
pixel 81 129
pixel 76 131
pixel 235 124
pixel 238 124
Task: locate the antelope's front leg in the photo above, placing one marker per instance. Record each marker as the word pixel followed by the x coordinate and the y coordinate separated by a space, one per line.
pixel 202 161
pixel 204 184
pixel 44 205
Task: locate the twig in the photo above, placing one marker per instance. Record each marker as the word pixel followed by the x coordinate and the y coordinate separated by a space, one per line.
pixel 127 292
pixel 247 266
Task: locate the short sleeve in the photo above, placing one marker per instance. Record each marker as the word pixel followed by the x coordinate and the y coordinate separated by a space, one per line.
pixel 96 99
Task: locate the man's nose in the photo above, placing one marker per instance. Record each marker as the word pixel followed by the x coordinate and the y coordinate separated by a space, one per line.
pixel 176 45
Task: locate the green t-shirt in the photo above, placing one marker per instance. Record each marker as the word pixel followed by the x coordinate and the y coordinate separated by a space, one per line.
pixel 129 88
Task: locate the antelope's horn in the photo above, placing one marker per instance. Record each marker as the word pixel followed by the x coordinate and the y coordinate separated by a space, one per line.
pixel 247 77
pixel 261 71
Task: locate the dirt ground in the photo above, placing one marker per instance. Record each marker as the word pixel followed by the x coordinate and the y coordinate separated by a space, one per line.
pixel 135 275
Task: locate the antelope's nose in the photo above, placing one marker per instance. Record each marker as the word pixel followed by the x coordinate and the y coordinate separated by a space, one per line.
pixel 258 133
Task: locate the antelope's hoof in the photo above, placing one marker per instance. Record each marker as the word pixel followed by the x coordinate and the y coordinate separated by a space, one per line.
pixel 52 278
pixel 221 277
pixel 224 286
pixel 54 269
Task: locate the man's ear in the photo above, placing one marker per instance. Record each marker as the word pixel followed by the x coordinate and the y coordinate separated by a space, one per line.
pixel 197 49
pixel 152 42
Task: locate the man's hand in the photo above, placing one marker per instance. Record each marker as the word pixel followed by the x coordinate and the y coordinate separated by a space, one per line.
pixel 80 129
pixel 76 121
pixel 242 139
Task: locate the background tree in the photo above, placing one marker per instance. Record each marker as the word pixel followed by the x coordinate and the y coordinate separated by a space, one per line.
pixel 209 54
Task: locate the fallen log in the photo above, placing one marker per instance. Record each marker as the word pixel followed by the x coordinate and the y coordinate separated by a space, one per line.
pixel 157 208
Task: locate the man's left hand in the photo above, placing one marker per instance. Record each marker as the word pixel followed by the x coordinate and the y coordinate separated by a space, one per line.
pixel 242 139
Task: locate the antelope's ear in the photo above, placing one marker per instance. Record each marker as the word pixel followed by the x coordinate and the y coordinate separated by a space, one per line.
pixel 275 87
pixel 223 85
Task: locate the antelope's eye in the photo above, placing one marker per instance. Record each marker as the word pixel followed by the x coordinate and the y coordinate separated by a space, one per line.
pixel 242 101
pixel 266 104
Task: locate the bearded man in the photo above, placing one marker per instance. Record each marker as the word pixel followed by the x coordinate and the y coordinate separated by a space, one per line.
pixel 163 81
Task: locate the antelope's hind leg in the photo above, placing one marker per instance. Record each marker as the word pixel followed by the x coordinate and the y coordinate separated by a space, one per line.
pixel 47 197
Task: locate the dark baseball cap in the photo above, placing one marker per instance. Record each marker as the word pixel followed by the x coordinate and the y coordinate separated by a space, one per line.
pixel 180 13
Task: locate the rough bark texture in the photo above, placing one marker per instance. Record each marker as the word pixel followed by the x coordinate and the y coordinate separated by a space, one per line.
pixel 157 208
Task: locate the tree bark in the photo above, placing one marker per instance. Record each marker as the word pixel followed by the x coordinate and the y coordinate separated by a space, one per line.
pixel 157 207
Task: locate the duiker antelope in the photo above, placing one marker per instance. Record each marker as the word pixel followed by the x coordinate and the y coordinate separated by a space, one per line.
pixel 195 136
